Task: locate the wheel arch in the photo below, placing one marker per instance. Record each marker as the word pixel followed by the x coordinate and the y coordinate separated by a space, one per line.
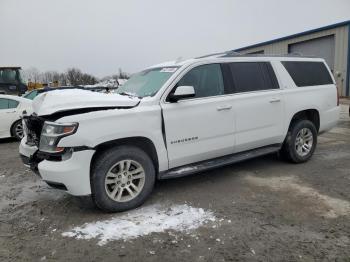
pixel 12 126
pixel 311 114
pixel 143 143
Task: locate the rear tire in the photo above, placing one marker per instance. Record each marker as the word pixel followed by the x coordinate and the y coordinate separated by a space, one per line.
pixel 300 142
pixel 17 130
pixel 122 178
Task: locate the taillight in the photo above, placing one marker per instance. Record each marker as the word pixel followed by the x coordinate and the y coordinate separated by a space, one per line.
pixel 337 95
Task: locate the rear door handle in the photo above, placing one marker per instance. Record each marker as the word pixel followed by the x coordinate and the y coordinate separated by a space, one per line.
pixel 10 112
pixel 275 100
pixel 226 107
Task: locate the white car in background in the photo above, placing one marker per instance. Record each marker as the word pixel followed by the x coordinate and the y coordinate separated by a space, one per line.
pixel 11 108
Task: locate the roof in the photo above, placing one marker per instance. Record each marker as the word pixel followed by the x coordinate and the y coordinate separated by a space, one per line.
pixel 233 56
pixel 295 35
pixel 17 98
pixel 174 63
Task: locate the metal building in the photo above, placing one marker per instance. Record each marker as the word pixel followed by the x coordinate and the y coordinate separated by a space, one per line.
pixel 331 42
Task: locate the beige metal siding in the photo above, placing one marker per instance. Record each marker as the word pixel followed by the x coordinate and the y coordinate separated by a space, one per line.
pixel 340 57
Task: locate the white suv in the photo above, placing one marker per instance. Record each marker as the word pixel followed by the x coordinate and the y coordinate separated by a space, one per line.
pixel 176 119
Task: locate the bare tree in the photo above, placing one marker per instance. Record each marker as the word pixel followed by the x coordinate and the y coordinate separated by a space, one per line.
pixel 31 74
pixel 75 77
pixel 72 76
pixel 50 76
pixel 62 79
pixel 123 75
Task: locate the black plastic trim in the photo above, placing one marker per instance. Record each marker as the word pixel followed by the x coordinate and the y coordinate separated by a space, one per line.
pixel 218 162
pixel 163 128
pixel 228 81
pixel 56 185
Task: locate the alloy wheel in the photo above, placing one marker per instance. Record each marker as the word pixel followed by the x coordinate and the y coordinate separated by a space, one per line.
pixel 124 180
pixel 304 142
pixel 19 130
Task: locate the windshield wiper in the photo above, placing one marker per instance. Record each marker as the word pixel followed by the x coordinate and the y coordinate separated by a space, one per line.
pixel 126 94
pixel 129 94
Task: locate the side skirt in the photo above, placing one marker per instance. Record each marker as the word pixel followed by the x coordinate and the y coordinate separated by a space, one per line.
pixel 218 162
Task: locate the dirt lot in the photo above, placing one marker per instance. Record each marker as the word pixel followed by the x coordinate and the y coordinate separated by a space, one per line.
pixel 265 209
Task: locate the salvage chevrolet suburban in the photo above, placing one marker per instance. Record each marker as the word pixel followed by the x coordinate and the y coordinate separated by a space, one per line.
pixel 176 119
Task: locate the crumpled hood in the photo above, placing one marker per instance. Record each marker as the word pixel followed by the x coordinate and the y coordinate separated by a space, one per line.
pixel 64 100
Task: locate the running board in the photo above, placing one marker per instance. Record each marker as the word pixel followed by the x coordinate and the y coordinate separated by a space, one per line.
pixel 218 162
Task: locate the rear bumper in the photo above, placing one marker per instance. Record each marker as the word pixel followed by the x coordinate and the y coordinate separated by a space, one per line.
pixel 72 175
pixel 329 119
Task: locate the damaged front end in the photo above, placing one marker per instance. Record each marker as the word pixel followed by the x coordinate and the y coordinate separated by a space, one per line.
pixel 62 168
pixel 42 136
pixel 60 164
pixel 43 133
pixel 32 126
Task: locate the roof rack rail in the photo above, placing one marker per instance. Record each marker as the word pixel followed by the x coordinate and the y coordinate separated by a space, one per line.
pixel 225 53
pixel 267 55
pixel 214 54
pixel 232 53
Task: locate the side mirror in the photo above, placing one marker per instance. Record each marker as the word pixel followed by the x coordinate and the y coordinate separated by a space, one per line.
pixel 182 92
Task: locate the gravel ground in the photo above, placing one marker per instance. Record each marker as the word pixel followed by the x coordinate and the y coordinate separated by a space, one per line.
pixel 265 209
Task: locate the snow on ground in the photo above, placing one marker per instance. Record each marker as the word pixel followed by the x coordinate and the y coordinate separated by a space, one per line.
pixel 144 221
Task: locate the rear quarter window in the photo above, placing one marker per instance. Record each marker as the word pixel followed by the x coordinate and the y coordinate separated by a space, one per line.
pixel 13 103
pixel 308 73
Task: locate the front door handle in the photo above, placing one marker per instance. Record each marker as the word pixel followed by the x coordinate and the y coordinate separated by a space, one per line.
pixel 226 107
pixel 10 112
pixel 275 100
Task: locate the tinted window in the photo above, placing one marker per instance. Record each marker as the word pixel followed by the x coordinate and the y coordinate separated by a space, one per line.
pixel 31 95
pixel 206 79
pixel 13 103
pixel 4 103
pixel 253 76
pixel 308 73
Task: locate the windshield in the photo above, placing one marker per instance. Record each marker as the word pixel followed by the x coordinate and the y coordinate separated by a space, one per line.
pixel 147 82
pixel 8 76
pixel 31 95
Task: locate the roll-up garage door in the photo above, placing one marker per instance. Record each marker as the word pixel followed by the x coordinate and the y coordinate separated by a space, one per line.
pixel 319 47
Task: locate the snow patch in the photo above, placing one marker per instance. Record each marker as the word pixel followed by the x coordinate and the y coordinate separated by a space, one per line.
pixel 143 221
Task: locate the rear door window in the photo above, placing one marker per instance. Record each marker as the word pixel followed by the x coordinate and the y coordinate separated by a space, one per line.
pixel 308 73
pixel 253 76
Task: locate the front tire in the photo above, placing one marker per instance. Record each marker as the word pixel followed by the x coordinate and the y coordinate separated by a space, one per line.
pixel 300 142
pixel 122 178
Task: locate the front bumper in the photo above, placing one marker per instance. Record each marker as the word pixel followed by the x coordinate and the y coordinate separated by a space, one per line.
pixel 73 173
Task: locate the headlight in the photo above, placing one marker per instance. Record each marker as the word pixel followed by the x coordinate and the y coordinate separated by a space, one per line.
pixel 52 133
